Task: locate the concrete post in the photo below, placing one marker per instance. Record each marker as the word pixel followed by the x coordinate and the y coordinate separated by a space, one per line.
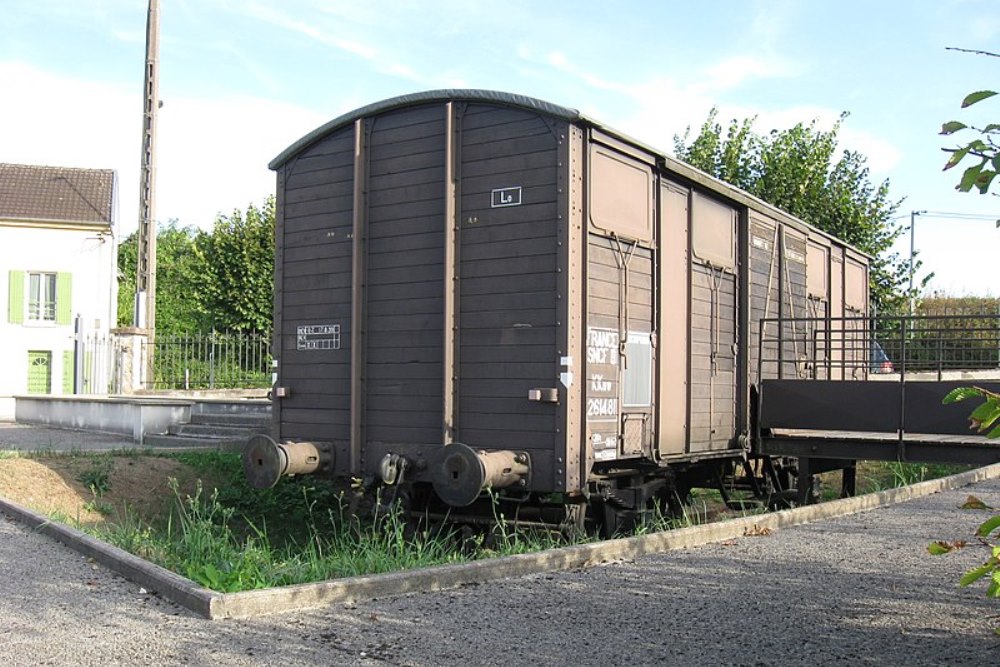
pixel 130 351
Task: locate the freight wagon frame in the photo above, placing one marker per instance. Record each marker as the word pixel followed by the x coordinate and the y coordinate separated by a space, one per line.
pixel 483 290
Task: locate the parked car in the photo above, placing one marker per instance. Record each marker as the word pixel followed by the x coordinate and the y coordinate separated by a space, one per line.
pixel 880 362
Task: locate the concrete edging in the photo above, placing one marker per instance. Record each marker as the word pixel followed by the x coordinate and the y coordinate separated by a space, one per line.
pixel 212 605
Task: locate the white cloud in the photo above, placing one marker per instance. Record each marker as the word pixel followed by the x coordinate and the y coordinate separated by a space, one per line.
pixel 737 70
pixel 659 108
pixel 65 122
pixel 212 153
pixel 381 61
pixel 285 22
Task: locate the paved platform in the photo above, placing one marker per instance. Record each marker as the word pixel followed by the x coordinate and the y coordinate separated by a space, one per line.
pixel 859 589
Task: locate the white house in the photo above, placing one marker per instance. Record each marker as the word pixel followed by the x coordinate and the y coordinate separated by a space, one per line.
pixel 58 258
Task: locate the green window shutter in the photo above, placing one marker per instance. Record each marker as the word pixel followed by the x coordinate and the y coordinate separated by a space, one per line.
pixel 15 297
pixel 67 365
pixel 64 298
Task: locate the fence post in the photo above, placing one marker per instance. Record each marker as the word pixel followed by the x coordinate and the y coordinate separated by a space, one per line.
pixel 211 360
pixel 78 355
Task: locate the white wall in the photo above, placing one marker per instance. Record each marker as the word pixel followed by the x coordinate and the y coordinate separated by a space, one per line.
pixel 91 259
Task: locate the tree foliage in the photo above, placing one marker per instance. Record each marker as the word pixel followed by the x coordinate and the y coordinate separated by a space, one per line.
pixel 236 283
pixel 802 171
pixel 221 280
pixel 177 308
pixel 983 152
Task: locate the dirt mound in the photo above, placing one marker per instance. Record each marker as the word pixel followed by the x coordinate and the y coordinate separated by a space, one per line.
pixel 90 489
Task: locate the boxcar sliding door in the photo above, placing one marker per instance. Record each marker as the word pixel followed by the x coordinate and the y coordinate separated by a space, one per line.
pixel 620 298
pixel 713 324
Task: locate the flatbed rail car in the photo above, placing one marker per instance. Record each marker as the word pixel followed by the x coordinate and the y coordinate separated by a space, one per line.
pixel 478 289
pixel 887 403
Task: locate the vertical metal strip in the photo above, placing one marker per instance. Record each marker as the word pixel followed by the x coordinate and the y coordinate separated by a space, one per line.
pixel 688 303
pixel 743 322
pixel 358 296
pixel 570 441
pixel 451 286
pixel 580 277
pixel 278 323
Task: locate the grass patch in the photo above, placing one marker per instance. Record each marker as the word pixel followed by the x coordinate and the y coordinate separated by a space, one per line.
pixel 211 544
pixel 229 537
pixel 97 478
pixel 875 476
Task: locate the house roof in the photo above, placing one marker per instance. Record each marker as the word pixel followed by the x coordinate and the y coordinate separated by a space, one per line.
pixel 29 192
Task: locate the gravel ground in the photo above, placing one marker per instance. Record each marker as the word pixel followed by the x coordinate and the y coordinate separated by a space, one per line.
pixel 859 590
pixel 27 437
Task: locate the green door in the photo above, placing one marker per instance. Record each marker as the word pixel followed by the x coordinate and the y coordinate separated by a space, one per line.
pixel 39 372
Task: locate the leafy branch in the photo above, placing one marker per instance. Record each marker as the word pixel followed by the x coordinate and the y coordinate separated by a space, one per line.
pixel 984 417
pixel 985 149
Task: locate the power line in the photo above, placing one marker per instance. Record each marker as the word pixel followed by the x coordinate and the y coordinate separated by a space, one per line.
pixel 958 216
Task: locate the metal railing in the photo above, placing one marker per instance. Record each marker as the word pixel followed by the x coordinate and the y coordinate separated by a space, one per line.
pixel 97 365
pixel 209 361
pixel 103 363
pixel 853 348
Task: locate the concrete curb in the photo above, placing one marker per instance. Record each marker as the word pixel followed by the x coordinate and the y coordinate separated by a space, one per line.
pixel 179 589
pixel 212 605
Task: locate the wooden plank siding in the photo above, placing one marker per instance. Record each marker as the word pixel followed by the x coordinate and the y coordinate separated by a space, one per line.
pixel 507 281
pixel 315 284
pixel 765 294
pixel 794 336
pixel 713 360
pixel 405 276
pixel 616 269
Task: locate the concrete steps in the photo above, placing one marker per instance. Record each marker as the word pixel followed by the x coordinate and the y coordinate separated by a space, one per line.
pixel 216 424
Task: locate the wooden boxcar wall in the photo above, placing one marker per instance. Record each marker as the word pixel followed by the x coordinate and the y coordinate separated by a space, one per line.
pixel 710 249
pixel 508 251
pixel 313 288
pixel 714 335
pixel 430 257
pixel 620 285
pixel 419 248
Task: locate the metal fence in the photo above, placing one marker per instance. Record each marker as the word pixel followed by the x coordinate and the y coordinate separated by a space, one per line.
pixel 98 364
pixel 858 347
pixel 107 363
pixel 209 361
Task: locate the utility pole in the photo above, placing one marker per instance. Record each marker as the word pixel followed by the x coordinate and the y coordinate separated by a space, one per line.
pixel 145 283
pixel 913 254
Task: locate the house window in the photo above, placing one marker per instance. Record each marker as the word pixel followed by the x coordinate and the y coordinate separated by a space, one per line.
pixel 42 297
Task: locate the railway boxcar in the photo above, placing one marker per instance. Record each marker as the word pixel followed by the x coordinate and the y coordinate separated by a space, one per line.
pixel 480 290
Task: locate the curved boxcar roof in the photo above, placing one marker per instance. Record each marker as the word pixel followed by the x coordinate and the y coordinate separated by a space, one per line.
pixel 413 99
pixel 549 109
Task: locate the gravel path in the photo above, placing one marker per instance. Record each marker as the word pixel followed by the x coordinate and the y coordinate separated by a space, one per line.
pixel 859 590
pixel 28 437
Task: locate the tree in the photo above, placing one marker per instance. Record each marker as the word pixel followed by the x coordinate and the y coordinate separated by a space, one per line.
pixel 800 170
pixel 177 307
pixel 235 283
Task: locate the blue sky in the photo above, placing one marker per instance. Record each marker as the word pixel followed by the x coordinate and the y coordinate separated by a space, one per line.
pixel 242 79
